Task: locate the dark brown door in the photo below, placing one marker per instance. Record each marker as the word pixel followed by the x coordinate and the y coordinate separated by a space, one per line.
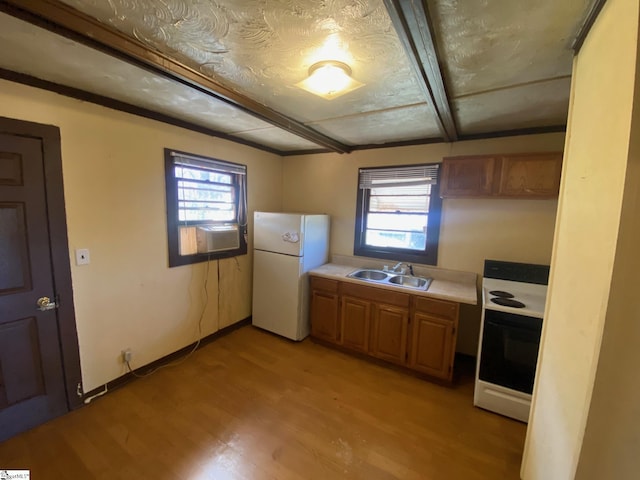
pixel 32 388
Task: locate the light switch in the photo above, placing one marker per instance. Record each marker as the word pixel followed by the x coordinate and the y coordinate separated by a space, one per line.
pixel 82 256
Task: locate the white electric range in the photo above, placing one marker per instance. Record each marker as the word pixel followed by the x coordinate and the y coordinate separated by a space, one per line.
pixel 513 301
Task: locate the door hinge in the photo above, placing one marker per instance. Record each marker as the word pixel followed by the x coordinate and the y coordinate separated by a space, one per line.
pixel 79 391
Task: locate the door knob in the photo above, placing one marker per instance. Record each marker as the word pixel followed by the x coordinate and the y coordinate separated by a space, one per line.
pixel 45 303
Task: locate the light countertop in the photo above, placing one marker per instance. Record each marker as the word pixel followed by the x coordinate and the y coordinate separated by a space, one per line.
pixel 446 285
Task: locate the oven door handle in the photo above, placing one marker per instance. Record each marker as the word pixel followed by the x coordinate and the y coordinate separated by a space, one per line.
pixel 512 325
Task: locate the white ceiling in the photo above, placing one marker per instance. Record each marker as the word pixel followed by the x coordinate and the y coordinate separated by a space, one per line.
pixel 505 64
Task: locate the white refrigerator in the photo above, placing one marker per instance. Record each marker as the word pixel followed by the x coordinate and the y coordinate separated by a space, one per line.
pixel 285 247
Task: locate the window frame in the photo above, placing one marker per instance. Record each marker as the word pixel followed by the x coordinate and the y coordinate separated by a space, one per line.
pixel 428 256
pixel 172 213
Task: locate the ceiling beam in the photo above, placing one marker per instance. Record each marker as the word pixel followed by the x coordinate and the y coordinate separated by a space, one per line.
pixel 59 18
pixel 413 25
pixel 114 104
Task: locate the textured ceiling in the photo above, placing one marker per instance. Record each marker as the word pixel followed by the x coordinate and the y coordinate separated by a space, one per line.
pixel 262 49
pixel 506 64
pixel 486 45
pixel 29 50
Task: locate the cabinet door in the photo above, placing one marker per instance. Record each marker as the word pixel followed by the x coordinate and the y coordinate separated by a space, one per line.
pixel 324 316
pixel 355 323
pixel 432 346
pixel 530 175
pixel 389 339
pixel 471 176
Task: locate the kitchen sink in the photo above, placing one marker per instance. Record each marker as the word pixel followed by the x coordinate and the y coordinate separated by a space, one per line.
pixel 390 278
pixel 369 275
pixel 410 281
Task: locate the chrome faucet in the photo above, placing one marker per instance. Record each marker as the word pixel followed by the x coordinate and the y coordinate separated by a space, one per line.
pixel 397 266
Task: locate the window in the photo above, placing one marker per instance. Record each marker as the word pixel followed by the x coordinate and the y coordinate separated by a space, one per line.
pixel 206 208
pixel 398 213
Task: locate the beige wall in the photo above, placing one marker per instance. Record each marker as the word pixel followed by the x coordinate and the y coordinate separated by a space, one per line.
pixel 114 188
pixel 593 285
pixel 472 230
pixel 612 435
pixel 113 168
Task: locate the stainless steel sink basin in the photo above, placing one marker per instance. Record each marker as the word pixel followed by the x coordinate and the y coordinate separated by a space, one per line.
pixel 369 275
pixel 409 281
pixel 380 277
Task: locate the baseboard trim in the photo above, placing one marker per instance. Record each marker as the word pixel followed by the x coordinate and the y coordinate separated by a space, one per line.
pixel 128 377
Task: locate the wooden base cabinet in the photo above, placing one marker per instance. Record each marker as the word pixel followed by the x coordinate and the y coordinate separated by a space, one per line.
pixel 431 346
pixel 324 312
pixel 355 323
pixel 370 317
pixel 433 337
pixel 408 330
pixel 390 333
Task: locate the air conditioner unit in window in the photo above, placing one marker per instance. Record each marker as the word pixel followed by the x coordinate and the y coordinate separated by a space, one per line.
pixel 216 238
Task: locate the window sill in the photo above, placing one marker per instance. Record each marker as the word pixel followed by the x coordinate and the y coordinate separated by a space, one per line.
pixel 180 260
pixel 423 258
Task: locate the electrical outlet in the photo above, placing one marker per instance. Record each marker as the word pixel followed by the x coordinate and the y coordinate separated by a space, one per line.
pixel 126 355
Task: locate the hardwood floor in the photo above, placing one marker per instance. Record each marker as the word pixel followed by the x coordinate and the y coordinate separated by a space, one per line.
pixel 251 405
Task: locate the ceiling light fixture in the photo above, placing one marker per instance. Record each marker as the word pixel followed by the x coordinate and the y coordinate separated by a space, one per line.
pixel 329 79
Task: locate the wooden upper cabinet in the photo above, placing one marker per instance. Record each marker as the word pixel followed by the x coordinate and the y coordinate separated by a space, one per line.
pixel 467 176
pixel 534 175
pixel 528 175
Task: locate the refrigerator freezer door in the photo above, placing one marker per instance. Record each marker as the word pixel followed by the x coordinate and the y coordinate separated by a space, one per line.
pixel 278 232
pixel 316 241
pixel 278 295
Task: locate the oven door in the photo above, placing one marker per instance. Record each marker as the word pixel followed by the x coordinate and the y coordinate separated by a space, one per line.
pixel 509 350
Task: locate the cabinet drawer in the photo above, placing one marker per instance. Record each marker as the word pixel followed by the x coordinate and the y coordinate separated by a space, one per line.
pixel 438 308
pixel 379 295
pixel 319 283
